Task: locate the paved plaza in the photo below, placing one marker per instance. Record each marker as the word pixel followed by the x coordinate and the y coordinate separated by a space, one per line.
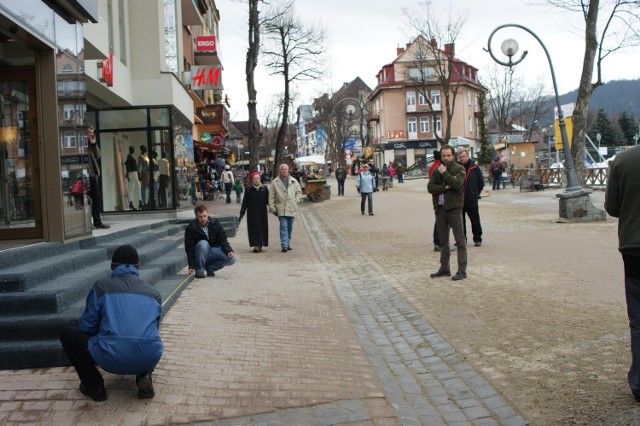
pixel 348 328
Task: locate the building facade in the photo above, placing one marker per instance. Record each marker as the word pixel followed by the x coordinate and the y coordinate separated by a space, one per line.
pixel 119 66
pixel 407 108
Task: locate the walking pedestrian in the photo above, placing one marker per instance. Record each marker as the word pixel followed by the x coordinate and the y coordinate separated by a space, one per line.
pixel 206 245
pixel 256 205
pixel 284 194
pixel 94 184
pixel 622 200
pixel 227 181
pixel 446 186
pixel 365 186
pixel 118 330
pixel 392 173
pixel 436 163
pixel 341 176
pixel 385 177
pixel 473 184
pixel 239 189
pixel 400 173
pixel 495 170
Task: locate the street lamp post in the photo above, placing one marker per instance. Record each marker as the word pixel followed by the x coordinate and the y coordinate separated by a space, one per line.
pixel 599 138
pixel 509 48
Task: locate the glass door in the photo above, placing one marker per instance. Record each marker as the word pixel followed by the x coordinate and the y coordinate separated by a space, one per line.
pixel 20 206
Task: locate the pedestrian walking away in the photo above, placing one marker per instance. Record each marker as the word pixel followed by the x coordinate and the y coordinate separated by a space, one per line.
pixel 227 181
pixel 284 194
pixel 341 176
pixel 95 191
pixel 622 200
pixel 256 206
pixel 495 172
pixel 118 330
pixel 365 185
pixel 400 173
pixel 446 186
pixel 239 189
pixel 473 185
pixel 385 177
pixel 206 245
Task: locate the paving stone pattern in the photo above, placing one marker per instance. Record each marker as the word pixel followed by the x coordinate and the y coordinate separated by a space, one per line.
pixel 424 379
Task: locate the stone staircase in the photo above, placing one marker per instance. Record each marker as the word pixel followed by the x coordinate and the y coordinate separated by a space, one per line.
pixel 43 286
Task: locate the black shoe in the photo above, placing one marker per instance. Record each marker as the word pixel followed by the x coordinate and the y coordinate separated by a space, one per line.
pixel 131 206
pixel 441 273
pixel 362 213
pixel 101 226
pixel 477 244
pixel 459 276
pixel 284 249
pixel 371 214
pixel 211 274
pixel 289 248
pixel 200 274
pixel 98 395
pixel 256 250
pixel 145 386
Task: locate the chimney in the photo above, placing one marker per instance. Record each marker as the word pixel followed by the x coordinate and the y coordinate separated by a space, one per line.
pixel 450 49
pixel 434 43
pixel 399 51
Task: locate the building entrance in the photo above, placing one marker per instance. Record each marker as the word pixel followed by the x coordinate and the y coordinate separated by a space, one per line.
pixel 20 203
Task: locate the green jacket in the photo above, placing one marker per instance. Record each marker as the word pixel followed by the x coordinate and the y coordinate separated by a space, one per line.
pixel 452 177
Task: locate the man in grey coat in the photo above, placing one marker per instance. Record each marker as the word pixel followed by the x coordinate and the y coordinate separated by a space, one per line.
pixel 622 200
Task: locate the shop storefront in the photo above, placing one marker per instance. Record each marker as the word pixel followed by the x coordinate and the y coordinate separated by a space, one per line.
pixel 42 128
pixel 407 153
pixel 145 152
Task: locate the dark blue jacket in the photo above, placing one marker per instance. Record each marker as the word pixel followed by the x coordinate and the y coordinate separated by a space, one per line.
pixel 123 315
pixel 473 184
pixel 193 234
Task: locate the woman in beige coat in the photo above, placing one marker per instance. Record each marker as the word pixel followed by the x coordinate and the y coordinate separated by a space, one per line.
pixel 284 194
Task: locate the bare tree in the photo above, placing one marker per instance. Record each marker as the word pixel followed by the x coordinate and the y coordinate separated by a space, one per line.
pixel 252 61
pixel 270 122
pixel 433 67
pixel 294 51
pixel 511 102
pixel 619 23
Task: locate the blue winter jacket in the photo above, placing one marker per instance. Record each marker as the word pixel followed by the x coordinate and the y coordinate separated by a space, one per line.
pixel 365 183
pixel 123 315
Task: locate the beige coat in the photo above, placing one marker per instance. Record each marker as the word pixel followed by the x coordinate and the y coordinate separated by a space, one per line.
pixel 284 201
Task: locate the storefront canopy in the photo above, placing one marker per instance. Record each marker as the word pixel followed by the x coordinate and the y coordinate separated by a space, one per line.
pixel 309 160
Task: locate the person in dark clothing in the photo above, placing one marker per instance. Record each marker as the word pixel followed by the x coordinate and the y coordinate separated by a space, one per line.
pixel 341 175
pixel 118 330
pixel 400 173
pixel 206 245
pixel 473 184
pixel 133 179
pixel 495 171
pixel 94 184
pixel 622 200
pixel 256 206
pixel 374 172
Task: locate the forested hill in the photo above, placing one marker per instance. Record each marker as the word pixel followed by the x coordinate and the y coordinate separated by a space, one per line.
pixel 614 97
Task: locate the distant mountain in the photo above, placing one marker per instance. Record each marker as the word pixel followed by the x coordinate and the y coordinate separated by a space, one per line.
pixel 614 97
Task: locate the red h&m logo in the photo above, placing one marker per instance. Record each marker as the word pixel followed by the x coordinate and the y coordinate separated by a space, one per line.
pixel 206 44
pixel 203 77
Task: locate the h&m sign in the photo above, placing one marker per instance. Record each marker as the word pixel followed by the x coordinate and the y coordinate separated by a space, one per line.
pixel 206 77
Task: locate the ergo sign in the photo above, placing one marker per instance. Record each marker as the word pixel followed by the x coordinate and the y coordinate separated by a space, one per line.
pixel 206 44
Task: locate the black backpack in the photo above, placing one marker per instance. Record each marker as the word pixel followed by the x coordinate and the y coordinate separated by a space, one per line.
pixel 497 171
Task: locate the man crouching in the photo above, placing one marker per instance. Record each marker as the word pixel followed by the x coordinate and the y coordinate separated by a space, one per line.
pixel 118 329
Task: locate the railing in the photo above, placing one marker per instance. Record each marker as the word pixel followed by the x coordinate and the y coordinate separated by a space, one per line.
pixel 595 177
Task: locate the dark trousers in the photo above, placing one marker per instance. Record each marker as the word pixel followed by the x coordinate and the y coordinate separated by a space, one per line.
pixel 227 189
pixel 369 198
pixel 96 200
pixel 436 237
pixel 340 187
pixel 476 227
pixel 446 219
pixel 632 292
pixel 75 344
pixel 495 182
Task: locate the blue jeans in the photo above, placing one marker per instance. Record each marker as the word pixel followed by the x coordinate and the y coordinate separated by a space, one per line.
pixel 340 186
pixel 286 227
pixel 211 258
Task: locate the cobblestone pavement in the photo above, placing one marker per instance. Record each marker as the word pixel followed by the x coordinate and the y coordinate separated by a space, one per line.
pixel 319 335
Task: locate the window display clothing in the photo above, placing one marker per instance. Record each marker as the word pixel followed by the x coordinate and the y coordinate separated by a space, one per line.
pixel 133 180
pixel 143 171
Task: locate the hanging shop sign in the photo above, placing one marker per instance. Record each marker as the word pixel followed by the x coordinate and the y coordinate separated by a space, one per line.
pixel 206 77
pixel 205 44
pixel 205 137
pixel 105 70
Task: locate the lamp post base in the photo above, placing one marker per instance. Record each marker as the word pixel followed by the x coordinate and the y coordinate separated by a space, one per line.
pixel 576 206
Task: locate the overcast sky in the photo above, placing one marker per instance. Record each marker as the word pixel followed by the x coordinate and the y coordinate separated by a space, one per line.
pixel 363 36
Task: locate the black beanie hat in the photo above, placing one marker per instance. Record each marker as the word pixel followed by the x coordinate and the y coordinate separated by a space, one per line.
pixel 436 155
pixel 125 255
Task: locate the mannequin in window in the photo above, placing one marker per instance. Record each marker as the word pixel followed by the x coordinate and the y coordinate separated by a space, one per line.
pixel 143 172
pixel 163 164
pixel 133 180
pixel 156 176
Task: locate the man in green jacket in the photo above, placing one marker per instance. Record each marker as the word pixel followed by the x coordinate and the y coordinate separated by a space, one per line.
pixel 446 186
